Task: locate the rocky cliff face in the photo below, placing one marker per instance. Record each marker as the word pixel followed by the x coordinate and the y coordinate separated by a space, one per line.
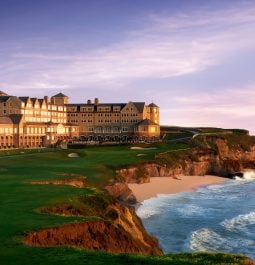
pixel 120 232
pixel 122 192
pixel 221 161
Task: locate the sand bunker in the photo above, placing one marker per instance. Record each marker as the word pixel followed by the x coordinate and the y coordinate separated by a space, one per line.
pixel 73 155
pixel 142 148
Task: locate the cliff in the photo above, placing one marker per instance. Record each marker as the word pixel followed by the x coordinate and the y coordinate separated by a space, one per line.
pixel 215 157
pixel 119 231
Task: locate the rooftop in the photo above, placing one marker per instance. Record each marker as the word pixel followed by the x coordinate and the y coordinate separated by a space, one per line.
pixel 146 122
pixel 153 105
pixel 60 95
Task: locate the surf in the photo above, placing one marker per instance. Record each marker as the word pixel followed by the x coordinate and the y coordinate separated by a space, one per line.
pixel 248 175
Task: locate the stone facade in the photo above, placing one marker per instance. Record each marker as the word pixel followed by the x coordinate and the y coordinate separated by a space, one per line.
pixel 31 122
pixel 115 121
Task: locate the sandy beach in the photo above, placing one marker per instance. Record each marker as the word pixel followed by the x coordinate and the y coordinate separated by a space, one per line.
pixel 168 185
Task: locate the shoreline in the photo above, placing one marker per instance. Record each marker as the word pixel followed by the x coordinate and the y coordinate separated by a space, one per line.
pixel 170 185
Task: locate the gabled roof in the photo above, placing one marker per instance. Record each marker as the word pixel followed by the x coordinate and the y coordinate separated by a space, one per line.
pixel 60 95
pixel 146 122
pixel 4 98
pixel 24 99
pixel 153 105
pixel 40 101
pixel 139 105
pixel 33 100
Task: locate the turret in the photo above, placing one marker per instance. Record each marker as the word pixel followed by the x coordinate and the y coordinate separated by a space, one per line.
pixel 154 113
pixel 96 102
pixel 59 99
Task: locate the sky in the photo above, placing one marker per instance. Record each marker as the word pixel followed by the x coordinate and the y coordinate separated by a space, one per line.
pixel 193 58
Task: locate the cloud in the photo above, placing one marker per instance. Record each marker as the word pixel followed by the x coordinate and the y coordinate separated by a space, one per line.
pixel 226 108
pixel 166 46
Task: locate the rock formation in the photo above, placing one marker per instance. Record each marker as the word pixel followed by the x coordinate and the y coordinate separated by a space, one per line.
pixel 221 161
pixel 120 232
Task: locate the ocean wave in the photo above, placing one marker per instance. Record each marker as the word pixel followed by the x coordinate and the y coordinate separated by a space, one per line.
pixel 219 189
pixel 247 175
pixel 192 209
pixel 239 222
pixel 159 204
pixel 145 213
pixel 153 206
pixel 206 239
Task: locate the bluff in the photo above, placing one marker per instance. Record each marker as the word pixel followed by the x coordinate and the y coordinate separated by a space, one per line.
pixel 221 156
pixel 119 230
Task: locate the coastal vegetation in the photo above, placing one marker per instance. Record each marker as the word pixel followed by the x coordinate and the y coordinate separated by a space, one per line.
pixel 28 207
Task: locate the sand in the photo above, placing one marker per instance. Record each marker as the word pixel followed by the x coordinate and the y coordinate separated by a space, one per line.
pixel 168 185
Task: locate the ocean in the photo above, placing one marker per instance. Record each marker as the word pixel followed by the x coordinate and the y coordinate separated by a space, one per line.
pixel 215 218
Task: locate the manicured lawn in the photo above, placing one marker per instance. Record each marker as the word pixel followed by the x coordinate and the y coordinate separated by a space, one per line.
pixel 19 200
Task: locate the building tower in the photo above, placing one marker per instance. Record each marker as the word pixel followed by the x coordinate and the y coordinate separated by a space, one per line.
pixel 60 99
pixel 153 111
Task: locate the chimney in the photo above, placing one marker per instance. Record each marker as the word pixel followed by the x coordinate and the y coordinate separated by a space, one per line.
pixel 89 101
pixel 46 99
pixel 96 101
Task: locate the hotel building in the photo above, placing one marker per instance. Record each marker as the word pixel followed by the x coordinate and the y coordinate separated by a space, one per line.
pixel 31 122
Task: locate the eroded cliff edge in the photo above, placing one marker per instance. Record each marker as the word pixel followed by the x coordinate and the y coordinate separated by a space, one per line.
pixel 118 231
pixel 221 160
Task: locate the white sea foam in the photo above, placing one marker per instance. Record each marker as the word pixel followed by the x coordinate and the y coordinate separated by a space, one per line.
pixel 240 221
pixel 206 239
pixel 191 209
pixel 247 175
pixel 158 204
pixel 145 213
pixel 150 207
